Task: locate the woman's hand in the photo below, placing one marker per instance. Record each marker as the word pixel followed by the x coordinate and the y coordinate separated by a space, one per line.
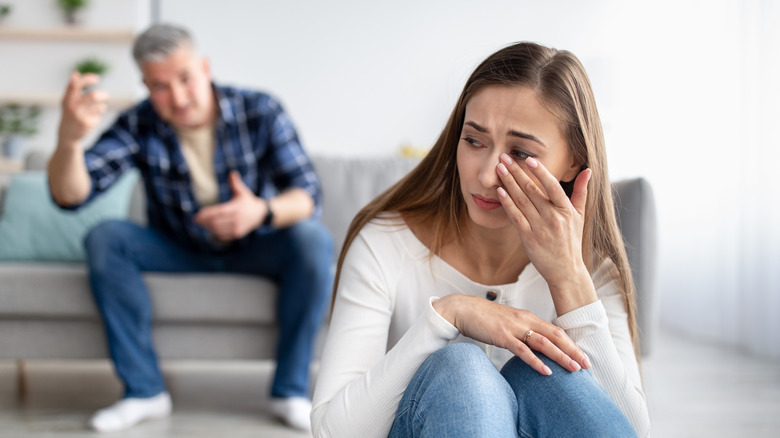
pixel 550 227
pixel 507 327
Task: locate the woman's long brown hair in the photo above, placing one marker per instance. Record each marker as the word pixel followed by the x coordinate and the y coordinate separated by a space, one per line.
pixel 430 193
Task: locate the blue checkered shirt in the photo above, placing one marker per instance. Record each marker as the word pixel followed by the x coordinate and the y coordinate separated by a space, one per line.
pixel 254 136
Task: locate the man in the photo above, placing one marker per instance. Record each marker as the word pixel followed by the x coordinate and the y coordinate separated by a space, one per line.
pixel 229 189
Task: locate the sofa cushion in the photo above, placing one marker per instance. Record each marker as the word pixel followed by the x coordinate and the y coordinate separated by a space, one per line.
pixel 61 291
pixel 32 227
pixel 349 184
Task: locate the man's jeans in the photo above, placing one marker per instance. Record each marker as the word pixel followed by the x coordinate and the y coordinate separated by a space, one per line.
pixel 457 392
pixel 297 258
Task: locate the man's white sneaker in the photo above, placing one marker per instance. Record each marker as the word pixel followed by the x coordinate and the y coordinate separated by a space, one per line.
pixel 131 411
pixel 293 411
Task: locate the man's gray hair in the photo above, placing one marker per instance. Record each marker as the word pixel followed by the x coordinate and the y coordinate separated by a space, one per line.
pixel 159 41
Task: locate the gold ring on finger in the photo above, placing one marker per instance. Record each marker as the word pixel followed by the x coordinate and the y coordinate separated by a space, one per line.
pixel 527 335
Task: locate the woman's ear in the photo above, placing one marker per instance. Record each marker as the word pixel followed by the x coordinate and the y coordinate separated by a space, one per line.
pixel 567 183
pixel 572 172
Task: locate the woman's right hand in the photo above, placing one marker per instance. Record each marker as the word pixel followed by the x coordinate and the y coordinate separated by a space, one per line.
pixel 506 327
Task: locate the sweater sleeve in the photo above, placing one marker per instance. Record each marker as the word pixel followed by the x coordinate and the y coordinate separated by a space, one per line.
pixel 360 383
pixel 601 330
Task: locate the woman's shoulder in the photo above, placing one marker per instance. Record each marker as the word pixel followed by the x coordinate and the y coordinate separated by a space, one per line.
pixel 389 232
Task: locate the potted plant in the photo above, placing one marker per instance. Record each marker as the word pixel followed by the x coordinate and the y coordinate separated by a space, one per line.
pixel 71 9
pixel 5 9
pixel 17 121
pixel 91 65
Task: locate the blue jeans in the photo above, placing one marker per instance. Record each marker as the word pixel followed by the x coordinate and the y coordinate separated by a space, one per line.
pixel 297 258
pixel 457 392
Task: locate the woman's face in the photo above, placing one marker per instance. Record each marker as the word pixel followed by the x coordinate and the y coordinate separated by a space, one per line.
pixel 508 120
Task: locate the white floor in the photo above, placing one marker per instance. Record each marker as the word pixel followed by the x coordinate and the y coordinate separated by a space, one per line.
pixel 693 390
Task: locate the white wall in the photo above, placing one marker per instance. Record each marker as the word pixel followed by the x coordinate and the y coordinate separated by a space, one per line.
pixel 365 77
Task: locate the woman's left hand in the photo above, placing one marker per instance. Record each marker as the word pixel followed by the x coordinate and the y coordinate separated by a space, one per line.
pixel 550 227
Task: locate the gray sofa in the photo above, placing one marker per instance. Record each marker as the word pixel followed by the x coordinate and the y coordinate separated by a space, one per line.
pixel 46 310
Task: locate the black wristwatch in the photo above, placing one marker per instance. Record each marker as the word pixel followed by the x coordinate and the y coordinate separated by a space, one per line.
pixel 269 214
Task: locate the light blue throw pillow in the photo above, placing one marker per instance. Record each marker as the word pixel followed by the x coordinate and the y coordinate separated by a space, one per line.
pixel 32 227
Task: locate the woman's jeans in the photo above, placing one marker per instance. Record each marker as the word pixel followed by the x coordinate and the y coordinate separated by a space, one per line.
pixel 457 392
pixel 297 258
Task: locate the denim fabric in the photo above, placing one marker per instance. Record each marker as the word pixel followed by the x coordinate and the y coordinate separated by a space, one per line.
pixel 297 258
pixel 457 392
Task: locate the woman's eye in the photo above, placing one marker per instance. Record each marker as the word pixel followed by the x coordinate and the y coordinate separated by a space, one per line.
pixel 520 154
pixel 471 141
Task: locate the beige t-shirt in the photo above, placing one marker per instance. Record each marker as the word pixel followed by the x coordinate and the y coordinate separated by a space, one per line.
pixel 197 146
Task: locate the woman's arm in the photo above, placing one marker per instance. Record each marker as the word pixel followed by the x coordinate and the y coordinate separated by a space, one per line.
pixel 360 383
pixel 601 330
pixel 550 226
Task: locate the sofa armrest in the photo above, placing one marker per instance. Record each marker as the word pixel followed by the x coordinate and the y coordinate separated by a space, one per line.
pixel 636 217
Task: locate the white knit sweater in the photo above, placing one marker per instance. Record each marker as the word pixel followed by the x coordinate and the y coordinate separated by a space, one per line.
pixel 383 328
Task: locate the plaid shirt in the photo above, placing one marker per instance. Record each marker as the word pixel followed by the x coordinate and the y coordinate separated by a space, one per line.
pixel 253 136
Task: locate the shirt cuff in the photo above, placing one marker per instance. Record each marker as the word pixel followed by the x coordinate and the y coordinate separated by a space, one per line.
pixel 593 315
pixel 440 326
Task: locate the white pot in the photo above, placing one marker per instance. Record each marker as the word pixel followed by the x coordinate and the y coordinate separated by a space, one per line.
pixel 13 146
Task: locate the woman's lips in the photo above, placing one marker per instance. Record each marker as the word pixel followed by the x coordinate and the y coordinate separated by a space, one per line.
pixel 486 203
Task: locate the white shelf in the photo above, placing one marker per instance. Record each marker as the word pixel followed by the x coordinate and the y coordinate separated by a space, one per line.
pixel 67 33
pixel 54 100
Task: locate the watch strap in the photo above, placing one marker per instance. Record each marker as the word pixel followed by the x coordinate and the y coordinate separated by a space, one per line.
pixel 269 214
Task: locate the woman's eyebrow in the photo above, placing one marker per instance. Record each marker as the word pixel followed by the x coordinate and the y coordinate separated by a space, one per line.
pixel 512 132
pixel 477 127
pixel 526 136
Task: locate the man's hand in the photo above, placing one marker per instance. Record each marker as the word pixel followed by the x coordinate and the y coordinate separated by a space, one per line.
pixel 81 111
pixel 236 218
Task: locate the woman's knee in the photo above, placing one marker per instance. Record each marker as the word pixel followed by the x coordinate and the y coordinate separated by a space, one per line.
pixel 458 389
pixel 543 401
pixel 462 365
pixel 520 374
pixel 457 356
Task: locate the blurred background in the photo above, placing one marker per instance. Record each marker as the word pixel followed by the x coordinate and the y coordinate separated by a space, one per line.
pixel 687 90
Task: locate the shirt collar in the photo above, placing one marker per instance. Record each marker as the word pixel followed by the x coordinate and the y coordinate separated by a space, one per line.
pixel 226 112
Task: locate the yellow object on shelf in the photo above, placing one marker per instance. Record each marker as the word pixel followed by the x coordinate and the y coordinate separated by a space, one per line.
pixel 9 166
pixel 409 151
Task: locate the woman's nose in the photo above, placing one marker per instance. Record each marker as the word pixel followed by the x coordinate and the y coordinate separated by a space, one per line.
pixel 487 172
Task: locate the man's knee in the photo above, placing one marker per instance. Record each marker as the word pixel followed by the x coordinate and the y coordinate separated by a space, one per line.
pixel 311 243
pixel 312 234
pixel 106 236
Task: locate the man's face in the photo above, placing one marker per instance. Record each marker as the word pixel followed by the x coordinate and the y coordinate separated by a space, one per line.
pixel 180 88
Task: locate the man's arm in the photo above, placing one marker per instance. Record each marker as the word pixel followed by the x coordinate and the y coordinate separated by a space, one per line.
pixel 246 211
pixel 69 180
pixel 289 207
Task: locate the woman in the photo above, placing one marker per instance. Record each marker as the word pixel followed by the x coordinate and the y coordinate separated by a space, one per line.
pixel 503 237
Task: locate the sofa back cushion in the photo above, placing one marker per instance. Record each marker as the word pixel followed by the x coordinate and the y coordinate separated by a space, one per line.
pixel 349 184
pixel 32 227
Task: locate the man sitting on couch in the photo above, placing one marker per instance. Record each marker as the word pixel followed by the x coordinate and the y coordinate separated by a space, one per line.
pixel 229 189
